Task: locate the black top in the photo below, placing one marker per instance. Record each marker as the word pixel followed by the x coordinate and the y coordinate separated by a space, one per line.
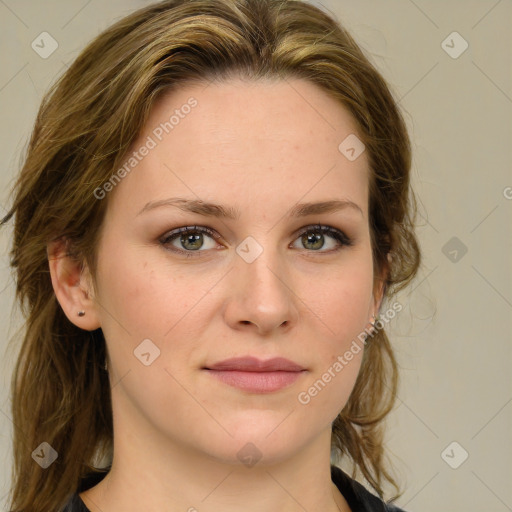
pixel 358 497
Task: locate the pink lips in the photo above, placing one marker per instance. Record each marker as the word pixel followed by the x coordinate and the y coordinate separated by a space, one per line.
pixel 254 375
pixel 252 364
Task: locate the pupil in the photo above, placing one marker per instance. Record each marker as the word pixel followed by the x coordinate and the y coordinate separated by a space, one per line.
pixel 185 239
pixel 314 239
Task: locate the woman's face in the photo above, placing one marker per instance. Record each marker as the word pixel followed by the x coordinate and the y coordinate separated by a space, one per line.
pixel 265 283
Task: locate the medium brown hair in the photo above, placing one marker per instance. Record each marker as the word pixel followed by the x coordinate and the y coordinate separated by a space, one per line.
pixel 86 124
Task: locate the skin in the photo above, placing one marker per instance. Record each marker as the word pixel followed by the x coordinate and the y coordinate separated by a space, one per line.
pixel 260 147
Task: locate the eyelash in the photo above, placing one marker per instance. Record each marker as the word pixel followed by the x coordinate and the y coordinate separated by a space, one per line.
pixel 338 235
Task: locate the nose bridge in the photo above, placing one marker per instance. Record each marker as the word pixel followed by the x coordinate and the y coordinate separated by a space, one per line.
pixel 261 283
pixel 260 264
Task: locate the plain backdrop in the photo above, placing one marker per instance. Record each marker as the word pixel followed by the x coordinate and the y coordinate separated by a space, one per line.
pixel 450 435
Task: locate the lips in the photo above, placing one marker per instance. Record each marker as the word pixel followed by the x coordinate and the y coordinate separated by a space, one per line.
pixel 253 364
pixel 252 375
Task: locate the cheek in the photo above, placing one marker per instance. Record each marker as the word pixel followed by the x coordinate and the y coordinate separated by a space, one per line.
pixel 340 311
pixel 146 298
pixel 138 297
pixel 341 300
pixel 328 389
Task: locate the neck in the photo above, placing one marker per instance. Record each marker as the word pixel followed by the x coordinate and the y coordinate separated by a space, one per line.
pixel 182 480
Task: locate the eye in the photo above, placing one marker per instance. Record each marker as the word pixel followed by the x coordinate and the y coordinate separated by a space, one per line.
pixel 191 239
pixel 314 236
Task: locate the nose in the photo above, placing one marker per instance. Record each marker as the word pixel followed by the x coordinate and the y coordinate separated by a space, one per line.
pixel 261 295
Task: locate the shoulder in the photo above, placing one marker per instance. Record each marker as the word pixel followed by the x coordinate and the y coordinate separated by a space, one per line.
pixel 359 498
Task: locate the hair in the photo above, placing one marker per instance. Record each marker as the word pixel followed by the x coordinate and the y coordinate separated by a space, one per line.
pixel 87 122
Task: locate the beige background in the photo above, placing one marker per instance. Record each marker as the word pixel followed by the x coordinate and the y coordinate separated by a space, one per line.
pixel 453 338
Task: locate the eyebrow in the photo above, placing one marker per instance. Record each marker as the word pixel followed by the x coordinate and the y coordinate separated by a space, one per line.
pixel 228 212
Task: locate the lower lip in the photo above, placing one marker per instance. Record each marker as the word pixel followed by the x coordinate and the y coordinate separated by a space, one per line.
pixel 257 382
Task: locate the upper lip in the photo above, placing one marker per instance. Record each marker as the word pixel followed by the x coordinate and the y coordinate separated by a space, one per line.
pixel 253 364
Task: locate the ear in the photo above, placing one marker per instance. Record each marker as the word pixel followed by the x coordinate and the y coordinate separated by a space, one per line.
pixel 380 285
pixel 72 285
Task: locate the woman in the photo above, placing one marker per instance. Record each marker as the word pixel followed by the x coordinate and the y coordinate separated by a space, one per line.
pixel 214 209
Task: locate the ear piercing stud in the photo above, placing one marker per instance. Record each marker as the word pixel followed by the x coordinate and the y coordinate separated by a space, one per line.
pixel 372 323
pixel 81 313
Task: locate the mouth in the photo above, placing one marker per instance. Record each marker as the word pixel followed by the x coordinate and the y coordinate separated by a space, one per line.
pixel 255 375
pixel 257 381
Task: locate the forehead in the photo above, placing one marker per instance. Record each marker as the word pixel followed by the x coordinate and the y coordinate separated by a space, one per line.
pixel 291 110
pixel 238 138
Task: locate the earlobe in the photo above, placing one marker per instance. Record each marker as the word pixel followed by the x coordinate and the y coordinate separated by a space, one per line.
pixel 72 286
